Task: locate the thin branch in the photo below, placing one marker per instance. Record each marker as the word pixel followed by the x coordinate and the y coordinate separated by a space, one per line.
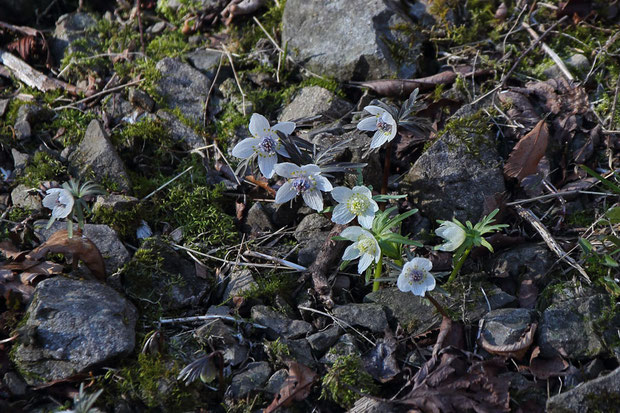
pixel 166 184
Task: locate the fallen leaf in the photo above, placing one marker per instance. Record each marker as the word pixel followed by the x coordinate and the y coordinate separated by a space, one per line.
pixel 10 251
pixel 528 293
pixel 80 247
pixel 516 350
pixel 296 387
pixel 502 12
pixel 543 368
pixel 530 149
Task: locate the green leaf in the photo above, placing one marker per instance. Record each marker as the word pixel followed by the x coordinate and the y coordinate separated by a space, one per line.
pixel 585 245
pixel 485 243
pixel 604 181
pixel 610 262
pixel 389 249
pixel 384 198
pixel 339 238
pixel 614 215
pixel 399 218
pixel 395 237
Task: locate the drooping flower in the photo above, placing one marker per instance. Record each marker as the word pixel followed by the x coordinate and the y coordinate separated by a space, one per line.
pixel 416 277
pixel 452 233
pixel 356 202
pixel 365 247
pixel 306 181
pixel 60 201
pixel 381 122
pixel 264 143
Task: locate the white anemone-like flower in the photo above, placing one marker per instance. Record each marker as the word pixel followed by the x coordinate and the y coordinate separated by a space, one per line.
pixel 60 201
pixel 416 277
pixel 365 247
pixel 452 233
pixel 381 122
pixel 356 202
pixel 265 143
pixel 305 180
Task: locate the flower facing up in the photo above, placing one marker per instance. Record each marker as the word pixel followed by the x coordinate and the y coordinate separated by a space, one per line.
pixel 365 247
pixel 452 233
pixel 416 277
pixel 60 201
pixel 356 202
pixel 381 122
pixel 265 143
pixel 305 180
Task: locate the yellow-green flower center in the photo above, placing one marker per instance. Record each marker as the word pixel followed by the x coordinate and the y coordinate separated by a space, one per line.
pixel 366 245
pixel 357 204
pixel 414 275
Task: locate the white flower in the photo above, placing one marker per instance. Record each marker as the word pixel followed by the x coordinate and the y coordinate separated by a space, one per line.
pixel 60 201
pixel 144 230
pixel 452 233
pixel 364 245
pixel 381 122
pixel 416 277
pixel 356 202
pixel 264 142
pixel 305 180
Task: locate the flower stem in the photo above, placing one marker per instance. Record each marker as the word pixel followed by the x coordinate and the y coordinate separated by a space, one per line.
pixel 378 270
pixel 458 265
pixel 438 306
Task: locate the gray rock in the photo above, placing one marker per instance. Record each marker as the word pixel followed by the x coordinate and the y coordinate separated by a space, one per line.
pixel 322 340
pixel 366 315
pixel 576 64
pixel 301 351
pixel 258 220
pixel 79 325
pixel 96 154
pixel 567 327
pixel 279 325
pixel 114 253
pixel 217 334
pixel 19 159
pixel 183 87
pixel 416 315
pixel 507 326
pixel 34 114
pixel 23 130
pixel 4 104
pixel 157 273
pixel 15 384
pixel 117 107
pixel 315 100
pixel 141 99
pixel 275 382
pixel 253 378
pixel 347 39
pixel 455 175
pixel 531 260
pixel 345 346
pixel 311 234
pixel 116 202
pixel 207 62
pixel 241 280
pixel 21 197
pixel 599 395
pixel 180 132
pixel 69 28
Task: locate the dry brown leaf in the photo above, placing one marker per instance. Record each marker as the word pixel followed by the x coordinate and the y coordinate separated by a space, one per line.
pixel 516 350
pixel 10 251
pixel 530 149
pixel 296 387
pixel 545 368
pixel 81 248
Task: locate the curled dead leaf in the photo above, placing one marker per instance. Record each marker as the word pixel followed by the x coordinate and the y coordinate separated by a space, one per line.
pixel 516 350
pixel 530 149
pixel 544 368
pixel 296 387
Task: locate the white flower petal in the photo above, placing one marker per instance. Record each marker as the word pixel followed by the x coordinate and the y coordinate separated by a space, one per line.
pixel 51 199
pixel 374 206
pixel 403 283
pixel 363 190
pixel 313 198
pixel 311 169
pixel 351 253
pixel 378 139
pixel 452 233
pixel 421 263
pixel 285 127
pixel 282 150
pixel 286 169
pixel 285 193
pixel 353 233
pixel 366 220
pixel 259 125
pixel 62 211
pixel 417 289
pixel 341 215
pixel 368 124
pixel 364 263
pixel 323 183
pixel 341 193
pixel 374 110
pixel 429 282
pixel 266 164
pixel 245 148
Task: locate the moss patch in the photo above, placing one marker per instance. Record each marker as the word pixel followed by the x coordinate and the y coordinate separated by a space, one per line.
pixel 346 373
pixel 42 167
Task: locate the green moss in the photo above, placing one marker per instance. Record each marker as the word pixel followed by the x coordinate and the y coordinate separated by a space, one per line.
pixel 467 22
pixel 267 287
pixel 601 402
pixel 168 44
pixel 346 373
pixel 472 131
pixel 124 222
pixel 176 16
pixel 278 350
pixel 42 167
pixel 328 83
pixel 74 122
pixel 247 33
